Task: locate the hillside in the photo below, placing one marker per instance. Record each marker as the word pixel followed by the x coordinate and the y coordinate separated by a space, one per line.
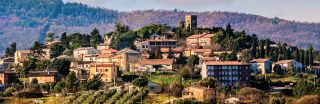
pixel 25 21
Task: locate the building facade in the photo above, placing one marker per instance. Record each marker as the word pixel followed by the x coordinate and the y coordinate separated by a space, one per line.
pixel 286 64
pixel 227 73
pixel 108 71
pixel 80 52
pixel 43 76
pixel 7 77
pixel 199 41
pixel 261 66
pixel 20 56
pixel 199 93
pixel 190 22
pixel 156 64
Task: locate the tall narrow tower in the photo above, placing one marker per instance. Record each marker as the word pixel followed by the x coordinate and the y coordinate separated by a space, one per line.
pixel 190 22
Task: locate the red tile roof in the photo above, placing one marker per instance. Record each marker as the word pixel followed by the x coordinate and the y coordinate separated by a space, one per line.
pixel 175 50
pixel 105 56
pixel 110 50
pixel 194 36
pixel 201 50
pixel 42 73
pixel 156 62
pixel 101 64
pixel 283 61
pixel 261 60
pixel 226 63
pixel 200 36
pixel 24 51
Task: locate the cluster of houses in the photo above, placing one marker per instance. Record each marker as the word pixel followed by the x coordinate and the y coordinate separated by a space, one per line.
pixel 87 62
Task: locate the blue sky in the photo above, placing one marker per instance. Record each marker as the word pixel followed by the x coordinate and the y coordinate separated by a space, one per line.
pixel 298 10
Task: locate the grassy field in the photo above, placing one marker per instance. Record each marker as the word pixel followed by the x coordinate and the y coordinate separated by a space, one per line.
pixel 156 99
pixel 170 78
pixel 46 100
pixel 284 79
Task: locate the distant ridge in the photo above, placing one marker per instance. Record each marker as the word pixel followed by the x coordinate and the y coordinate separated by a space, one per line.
pixel 23 21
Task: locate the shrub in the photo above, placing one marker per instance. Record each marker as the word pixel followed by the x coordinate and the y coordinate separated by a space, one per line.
pixel 309 99
pixel 115 97
pixel 91 99
pixel 8 92
pixel 83 97
pixel 27 94
pixel 105 96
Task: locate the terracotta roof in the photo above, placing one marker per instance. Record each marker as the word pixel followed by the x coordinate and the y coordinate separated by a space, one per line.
pixel 201 50
pixel 91 55
pixel 225 63
pixel 207 35
pixel 162 40
pixel 101 64
pixel 105 56
pixel 283 61
pixel 83 48
pixel 156 62
pixel 24 51
pixel 200 36
pixel 261 60
pixel 194 36
pixel 175 50
pixel 41 73
pixel 127 50
pixel 110 50
pixel 208 59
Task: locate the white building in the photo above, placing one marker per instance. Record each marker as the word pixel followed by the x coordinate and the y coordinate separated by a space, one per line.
pixel 157 64
pixel 261 66
pixel 80 52
pixel 285 64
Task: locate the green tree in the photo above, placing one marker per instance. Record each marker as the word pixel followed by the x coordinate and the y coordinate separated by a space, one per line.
pixel 64 40
pixel 193 60
pixel 252 95
pixel 50 37
pixel 61 65
pixel 56 50
pixel 58 87
pixel 37 49
pixel 10 51
pixel 95 38
pixel 277 69
pixel 208 82
pixel 34 81
pixel 140 82
pixel 181 59
pixel 170 54
pixel 246 56
pixel 72 82
pixel 311 56
pixel 254 45
pixel 185 71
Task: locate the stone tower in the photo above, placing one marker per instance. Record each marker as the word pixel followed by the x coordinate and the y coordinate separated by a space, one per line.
pixel 190 21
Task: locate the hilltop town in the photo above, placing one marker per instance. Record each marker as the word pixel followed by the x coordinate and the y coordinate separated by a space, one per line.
pixel 160 64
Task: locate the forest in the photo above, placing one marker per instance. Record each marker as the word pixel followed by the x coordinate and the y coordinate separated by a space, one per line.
pixel 32 19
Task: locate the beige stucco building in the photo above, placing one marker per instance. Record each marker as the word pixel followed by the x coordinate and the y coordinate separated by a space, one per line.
pixel 43 76
pixel 199 40
pixel 199 93
pixel 108 71
pixel 20 56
